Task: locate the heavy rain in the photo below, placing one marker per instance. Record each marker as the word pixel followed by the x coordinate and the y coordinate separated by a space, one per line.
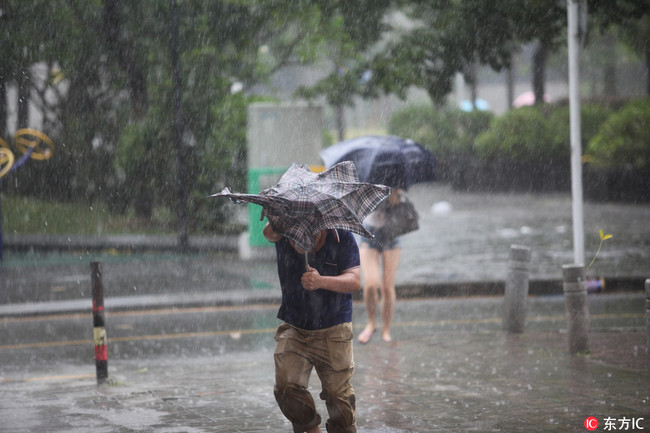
pixel 132 299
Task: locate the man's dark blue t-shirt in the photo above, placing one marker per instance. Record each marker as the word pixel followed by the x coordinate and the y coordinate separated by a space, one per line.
pixel 317 309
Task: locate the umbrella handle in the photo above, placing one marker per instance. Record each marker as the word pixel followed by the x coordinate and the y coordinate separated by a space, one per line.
pixel 306 262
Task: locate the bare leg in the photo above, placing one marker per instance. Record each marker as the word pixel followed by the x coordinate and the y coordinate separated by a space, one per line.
pixel 391 263
pixel 370 269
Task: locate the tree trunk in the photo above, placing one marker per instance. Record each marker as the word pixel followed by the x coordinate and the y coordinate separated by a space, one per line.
pixel 473 94
pixel 471 80
pixel 609 88
pixel 340 121
pixel 126 57
pixel 3 130
pixel 24 86
pixel 609 70
pixel 647 66
pixel 130 63
pixel 510 85
pixel 181 169
pixel 539 72
pixel 3 107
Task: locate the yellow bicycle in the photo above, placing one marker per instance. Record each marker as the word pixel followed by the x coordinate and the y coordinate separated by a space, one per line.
pixel 27 138
pixel 6 158
pixel 31 143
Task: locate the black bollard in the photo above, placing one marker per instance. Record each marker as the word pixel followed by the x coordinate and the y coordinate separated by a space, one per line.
pixel 647 314
pixel 516 292
pixel 101 353
pixel 577 308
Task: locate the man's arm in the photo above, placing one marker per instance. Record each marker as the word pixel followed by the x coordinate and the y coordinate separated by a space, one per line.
pixel 347 282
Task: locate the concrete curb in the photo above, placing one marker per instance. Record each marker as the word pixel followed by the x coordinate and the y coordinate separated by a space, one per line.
pixel 134 303
pixel 245 296
pixel 127 242
pixel 544 287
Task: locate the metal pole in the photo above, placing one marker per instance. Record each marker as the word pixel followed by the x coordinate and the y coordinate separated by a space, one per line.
pixel 101 353
pixel 514 311
pixel 1 241
pixel 577 308
pixel 647 314
pixel 576 146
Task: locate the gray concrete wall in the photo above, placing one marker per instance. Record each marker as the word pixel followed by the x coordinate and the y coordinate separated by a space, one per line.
pixel 281 134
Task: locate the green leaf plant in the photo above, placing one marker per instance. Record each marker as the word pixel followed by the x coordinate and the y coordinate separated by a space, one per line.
pixel 603 238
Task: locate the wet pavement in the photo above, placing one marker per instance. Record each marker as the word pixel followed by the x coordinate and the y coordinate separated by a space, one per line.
pixel 462 237
pixel 450 368
pixel 461 248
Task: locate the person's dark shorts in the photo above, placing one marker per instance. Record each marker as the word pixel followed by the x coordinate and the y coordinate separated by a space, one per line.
pixel 379 243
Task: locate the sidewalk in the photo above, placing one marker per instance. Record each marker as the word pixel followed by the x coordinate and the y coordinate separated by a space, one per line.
pixel 132 242
pixel 450 369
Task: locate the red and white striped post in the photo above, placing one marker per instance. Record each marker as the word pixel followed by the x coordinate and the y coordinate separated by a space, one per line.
pixel 101 353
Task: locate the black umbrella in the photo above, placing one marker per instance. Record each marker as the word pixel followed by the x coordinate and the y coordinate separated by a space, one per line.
pixel 387 160
pixel 304 203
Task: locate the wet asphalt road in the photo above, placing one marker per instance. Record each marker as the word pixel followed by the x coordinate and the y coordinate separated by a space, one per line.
pixel 450 368
pixel 142 334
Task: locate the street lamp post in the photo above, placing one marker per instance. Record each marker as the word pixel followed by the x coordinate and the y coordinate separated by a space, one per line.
pixel 574 34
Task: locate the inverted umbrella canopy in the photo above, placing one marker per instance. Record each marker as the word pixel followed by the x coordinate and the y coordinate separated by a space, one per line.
pixel 388 160
pixel 304 203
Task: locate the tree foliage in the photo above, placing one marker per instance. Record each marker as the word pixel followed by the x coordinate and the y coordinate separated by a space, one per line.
pixel 630 20
pixel 113 118
pixel 623 140
pixel 456 36
pixel 107 87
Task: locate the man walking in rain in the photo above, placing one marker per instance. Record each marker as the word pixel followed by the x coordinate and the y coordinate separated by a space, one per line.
pixel 317 289
pixel 310 218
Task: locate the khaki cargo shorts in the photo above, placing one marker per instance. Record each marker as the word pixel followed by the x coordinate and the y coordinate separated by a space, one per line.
pixel 329 351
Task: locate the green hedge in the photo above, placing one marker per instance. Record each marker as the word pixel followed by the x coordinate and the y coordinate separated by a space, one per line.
pixel 427 126
pixel 623 140
pixel 528 149
pixel 449 135
pixel 523 135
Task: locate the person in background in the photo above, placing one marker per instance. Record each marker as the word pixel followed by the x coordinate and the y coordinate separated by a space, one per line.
pixel 316 309
pixel 375 252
